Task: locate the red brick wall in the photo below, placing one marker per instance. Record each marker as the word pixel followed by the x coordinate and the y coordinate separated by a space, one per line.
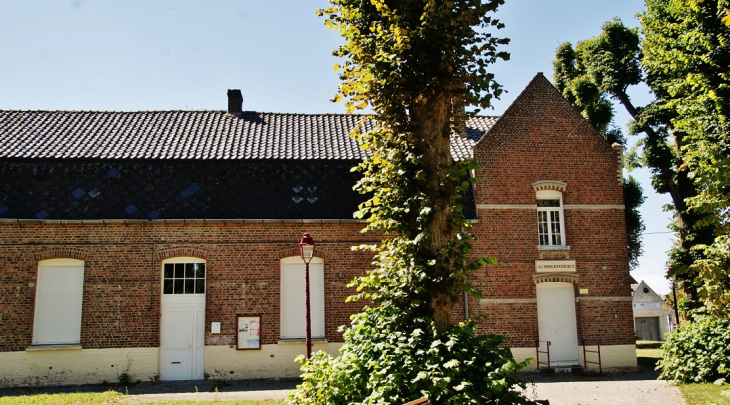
pixel 542 137
pixel 121 303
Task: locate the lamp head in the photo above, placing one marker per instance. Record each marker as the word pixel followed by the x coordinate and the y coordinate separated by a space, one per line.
pixel 306 248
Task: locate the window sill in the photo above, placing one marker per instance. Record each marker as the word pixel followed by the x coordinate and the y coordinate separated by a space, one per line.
pixel 47 348
pixel 301 341
pixel 553 248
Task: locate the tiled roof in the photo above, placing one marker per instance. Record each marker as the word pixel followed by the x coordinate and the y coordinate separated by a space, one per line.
pixel 192 135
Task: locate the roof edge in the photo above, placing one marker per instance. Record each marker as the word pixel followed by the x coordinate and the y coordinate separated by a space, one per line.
pixel 537 76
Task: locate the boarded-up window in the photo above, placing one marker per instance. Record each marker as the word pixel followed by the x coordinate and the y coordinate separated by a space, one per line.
pixel 59 294
pixel 293 315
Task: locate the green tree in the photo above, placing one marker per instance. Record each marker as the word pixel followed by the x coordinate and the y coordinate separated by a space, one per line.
pixel 686 56
pixel 602 69
pixel 573 78
pixel 417 64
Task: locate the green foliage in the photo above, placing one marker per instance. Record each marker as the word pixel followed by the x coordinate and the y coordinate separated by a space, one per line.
pixel 698 351
pixel 633 198
pixel 123 377
pixel 588 76
pixel 684 56
pixel 390 358
pixel 687 61
pixel 714 273
pixel 417 63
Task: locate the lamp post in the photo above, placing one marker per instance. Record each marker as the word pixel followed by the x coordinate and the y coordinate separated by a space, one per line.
pixel 306 251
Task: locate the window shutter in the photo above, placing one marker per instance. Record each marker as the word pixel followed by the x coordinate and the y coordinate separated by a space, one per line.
pixel 59 294
pixel 293 301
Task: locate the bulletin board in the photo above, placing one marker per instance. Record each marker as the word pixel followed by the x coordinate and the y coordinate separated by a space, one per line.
pixel 248 332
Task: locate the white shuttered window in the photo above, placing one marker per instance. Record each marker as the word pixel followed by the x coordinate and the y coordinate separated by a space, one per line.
pixel 293 315
pixel 59 294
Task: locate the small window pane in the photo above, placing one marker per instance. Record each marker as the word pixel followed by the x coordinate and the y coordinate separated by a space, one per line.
pixel 169 270
pixel 184 278
pixel 548 203
pixel 556 240
pixel 199 270
pixel 168 286
pixel 179 270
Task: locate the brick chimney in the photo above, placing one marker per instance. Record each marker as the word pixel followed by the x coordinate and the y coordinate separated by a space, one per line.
pixel 235 102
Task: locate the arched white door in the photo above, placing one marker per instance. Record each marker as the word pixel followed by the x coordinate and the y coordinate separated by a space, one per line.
pixel 182 322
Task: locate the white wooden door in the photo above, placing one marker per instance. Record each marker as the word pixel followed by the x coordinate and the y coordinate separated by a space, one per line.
pixel 182 339
pixel 182 319
pixel 557 323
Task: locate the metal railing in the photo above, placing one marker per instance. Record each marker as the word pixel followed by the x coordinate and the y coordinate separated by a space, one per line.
pixel 597 351
pixel 546 352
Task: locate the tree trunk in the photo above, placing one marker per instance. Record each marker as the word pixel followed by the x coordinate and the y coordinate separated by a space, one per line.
pixel 431 120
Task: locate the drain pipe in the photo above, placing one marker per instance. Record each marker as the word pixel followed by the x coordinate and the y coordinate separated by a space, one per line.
pixel 465 296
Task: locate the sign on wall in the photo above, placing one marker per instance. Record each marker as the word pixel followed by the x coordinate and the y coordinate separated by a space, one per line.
pixel 555 266
pixel 647 305
pixel 248 332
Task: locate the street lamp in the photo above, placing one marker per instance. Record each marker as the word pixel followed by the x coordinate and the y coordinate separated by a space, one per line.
pixel 306 251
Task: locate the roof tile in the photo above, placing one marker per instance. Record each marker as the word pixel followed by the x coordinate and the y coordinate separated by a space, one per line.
pixel 193 135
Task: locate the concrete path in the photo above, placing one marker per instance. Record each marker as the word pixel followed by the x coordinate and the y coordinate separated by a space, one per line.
pixel 560 389
pixel 208 391
pixel 610 389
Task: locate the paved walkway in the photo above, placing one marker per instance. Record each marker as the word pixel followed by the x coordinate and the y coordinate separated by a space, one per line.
pixel 641 388
pixel 560 389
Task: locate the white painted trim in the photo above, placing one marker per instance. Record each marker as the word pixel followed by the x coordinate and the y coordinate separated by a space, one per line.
pixel 556 185
pixel 48 348
pixel 595 298
pixel 594 207
pixel 299 341
pixel 590 207
pixel 487 301
pixel 507 206
pixel 184 259
pixel 552 247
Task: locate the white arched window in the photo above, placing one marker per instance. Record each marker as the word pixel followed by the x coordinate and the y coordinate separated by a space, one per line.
pixel 550 224
pixel 293 314
pixel 58 299
pixel 183 275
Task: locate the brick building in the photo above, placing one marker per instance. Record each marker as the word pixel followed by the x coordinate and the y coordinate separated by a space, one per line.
pixel 132 241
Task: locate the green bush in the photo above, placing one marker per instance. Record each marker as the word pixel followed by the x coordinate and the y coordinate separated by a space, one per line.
pixel 698 351
pixel 390 358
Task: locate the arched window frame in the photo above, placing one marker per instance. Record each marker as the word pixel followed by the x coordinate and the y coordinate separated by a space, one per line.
pixel 184 260
pixel 550 219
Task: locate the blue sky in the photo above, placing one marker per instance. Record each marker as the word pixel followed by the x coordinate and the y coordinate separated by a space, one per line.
pixel 180 54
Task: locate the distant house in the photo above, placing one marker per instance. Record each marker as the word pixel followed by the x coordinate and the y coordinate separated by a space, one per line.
pixel 653 318
pixel 164 243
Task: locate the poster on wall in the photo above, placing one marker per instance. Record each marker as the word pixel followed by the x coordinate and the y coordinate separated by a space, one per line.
pixel 248 332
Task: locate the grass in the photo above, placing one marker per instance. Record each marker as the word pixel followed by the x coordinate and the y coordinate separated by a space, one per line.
pixel 648 353
pixel 706 393
pixel 110 398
